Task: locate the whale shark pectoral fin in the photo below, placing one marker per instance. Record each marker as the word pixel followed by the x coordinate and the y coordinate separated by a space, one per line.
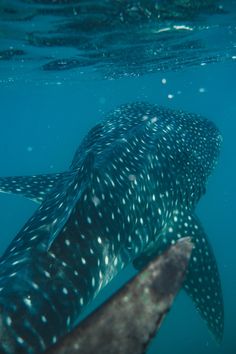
pixel 202 281
pixel 60 203
pixel 45 226
pixel 32 187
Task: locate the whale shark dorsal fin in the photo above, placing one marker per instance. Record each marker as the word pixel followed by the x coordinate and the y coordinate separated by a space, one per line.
pixel 32 187
pixel 202 281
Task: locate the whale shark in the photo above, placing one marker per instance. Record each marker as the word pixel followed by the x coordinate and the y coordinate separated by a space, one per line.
pixel 130 192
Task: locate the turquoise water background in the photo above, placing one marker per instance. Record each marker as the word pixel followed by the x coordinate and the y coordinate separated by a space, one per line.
pixel 42 124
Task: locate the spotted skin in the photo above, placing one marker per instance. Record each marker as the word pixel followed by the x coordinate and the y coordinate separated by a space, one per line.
pixel 130 191
pixel 32 187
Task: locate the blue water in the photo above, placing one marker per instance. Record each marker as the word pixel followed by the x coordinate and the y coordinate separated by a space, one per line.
pixel 42 123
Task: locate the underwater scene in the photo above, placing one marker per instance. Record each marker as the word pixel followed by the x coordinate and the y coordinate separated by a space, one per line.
pixel 118 160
